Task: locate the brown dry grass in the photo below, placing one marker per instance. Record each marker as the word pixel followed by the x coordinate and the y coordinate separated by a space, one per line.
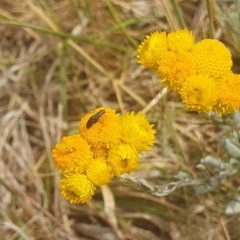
pixel 60 59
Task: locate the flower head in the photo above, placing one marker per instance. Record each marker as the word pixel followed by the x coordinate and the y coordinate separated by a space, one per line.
pixel 151 50
pixel 99 172
pixel 137 132
pixel 199 93
pixel 174 68
pixel 229 94
pixel 77 188
pixel 211 58
pixel 72 154
pixel 104 130
pixel 123 159
pixel 180 40
pixel 106 146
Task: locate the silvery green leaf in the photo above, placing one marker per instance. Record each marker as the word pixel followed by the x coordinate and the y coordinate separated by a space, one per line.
pixel 182 175
pixel 236 117
pixel 213 162
pixel 235 136
pixel 233 148
pixel 233 207
pixel 157 190
pixel 200 167
pixel 210 184
pixel 230 167
pixel 229 172
pixel 219 121
pixel 221 173
pixel 204 189
pixel 233 162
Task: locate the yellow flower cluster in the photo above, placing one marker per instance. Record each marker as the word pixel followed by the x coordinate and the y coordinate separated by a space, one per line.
pixel 108 145
pixel 200 72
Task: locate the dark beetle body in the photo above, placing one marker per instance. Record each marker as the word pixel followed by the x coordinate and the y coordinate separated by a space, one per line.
pixel 94 119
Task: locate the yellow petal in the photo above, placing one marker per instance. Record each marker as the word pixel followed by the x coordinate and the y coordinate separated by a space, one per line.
pixel 137 132
pixel 180 40
pixel 211 58
pixel 175 68
pixel 123 159
pixel 76 188
pixel 199 93
pixel 72 154
pixel 229 94
pixel 99 172
pixel 152 49
pixel 105 131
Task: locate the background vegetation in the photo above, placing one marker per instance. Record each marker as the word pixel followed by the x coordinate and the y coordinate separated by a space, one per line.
pixel 59 59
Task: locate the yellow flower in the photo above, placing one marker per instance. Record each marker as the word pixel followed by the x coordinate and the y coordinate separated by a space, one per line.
pixel 211 58
pixel 180 40
pixel 137 132
pixel 101 128
pixel 76 188
pixel 99 172
pixel 151 50
pixel 72 154
pixel 229 94
pixel 174 68
pixel 106 146
pixel 199 93
pixel 123 159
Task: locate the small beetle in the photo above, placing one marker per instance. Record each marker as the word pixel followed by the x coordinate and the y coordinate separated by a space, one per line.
pixel 94 119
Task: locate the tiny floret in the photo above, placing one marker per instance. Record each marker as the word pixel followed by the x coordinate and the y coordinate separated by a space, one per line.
pixel 100 152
